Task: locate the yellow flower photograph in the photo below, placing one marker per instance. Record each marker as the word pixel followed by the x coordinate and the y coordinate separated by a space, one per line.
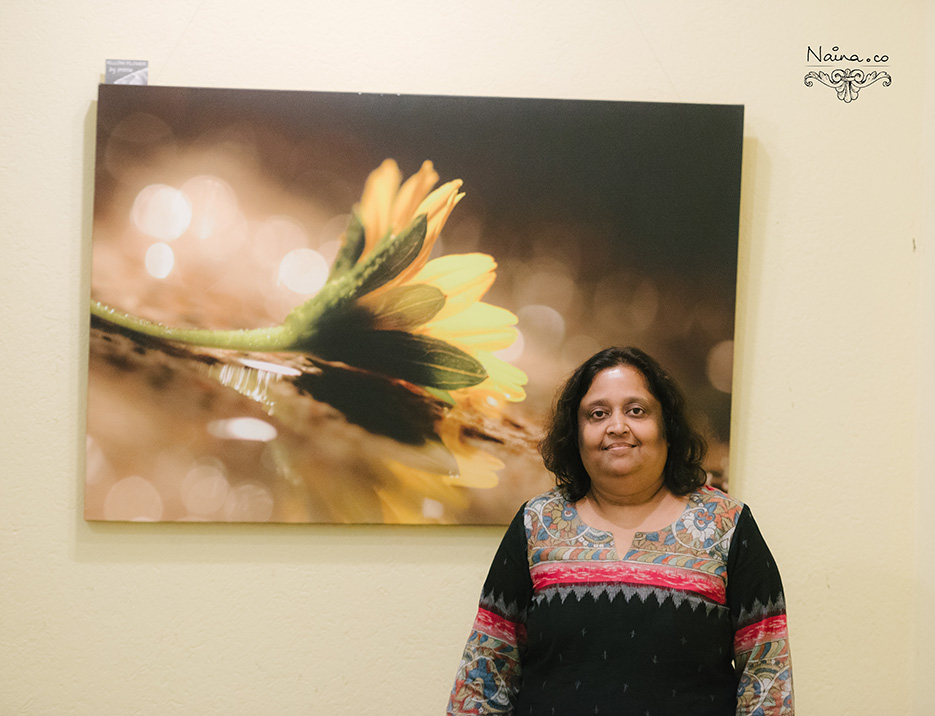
pixel 346 308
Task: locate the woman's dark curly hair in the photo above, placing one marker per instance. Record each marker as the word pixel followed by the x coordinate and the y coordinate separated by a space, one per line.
pixel 559 448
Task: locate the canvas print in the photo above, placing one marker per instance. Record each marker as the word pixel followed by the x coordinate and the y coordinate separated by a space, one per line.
pixel 356 308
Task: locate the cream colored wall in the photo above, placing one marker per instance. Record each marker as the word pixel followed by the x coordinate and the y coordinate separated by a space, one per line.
pixel 925 562
pixel 196 619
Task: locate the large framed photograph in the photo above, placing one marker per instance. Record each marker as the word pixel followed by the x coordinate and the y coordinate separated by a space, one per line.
pixel 352 308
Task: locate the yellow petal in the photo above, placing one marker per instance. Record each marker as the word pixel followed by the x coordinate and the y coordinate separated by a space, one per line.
pixel 463 278
pixel 438 199
pixel 477 470
pixel 398 508
pixel 489 402
pixel 409 481
pixel 408 508
pixel 411 194
pixel 449 272
pixel 480 326
pixel 438 206
pixel 376 201
pixel 503 379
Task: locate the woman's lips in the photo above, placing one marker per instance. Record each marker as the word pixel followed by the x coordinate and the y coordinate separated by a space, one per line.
pixel 618 446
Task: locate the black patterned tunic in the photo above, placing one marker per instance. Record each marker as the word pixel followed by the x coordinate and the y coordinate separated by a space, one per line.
pixel 689 622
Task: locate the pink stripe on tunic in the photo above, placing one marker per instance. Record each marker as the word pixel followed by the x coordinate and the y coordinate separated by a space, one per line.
pixel 547 574
pixel 496 626
pixel 769 629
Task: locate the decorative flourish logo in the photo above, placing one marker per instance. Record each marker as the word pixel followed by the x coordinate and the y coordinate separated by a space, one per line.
pixel 847 82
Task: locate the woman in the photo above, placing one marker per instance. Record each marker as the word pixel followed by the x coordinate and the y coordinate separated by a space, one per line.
pixel 631 588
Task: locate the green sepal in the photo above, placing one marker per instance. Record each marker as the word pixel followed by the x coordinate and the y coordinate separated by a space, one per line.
pixel 391 256
pixel 417 359
pixel 442 395
pixel 435 363
pixel 351 248
pixel 405 307
pixel 388 258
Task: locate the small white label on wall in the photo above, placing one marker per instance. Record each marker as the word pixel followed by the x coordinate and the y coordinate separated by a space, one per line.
pixel 127 72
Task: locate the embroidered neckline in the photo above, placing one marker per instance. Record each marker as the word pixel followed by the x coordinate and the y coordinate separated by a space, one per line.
pixel 693 502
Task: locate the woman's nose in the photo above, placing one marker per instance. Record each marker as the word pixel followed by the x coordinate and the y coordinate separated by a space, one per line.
pixel 617 424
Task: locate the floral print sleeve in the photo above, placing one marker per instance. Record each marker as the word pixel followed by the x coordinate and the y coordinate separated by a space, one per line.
pixel 758 610
pixel 489 674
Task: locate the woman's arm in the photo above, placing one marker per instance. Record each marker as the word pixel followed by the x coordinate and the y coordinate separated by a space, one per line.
pixel 489 675
pixel 758 608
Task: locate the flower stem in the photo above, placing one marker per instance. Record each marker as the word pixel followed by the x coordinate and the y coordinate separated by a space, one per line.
pixel 271 339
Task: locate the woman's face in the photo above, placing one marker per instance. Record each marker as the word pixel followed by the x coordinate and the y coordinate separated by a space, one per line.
pixel 621 434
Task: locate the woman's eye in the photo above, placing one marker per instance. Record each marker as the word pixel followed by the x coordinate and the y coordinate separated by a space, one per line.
pixel 598 414
pixel 637 411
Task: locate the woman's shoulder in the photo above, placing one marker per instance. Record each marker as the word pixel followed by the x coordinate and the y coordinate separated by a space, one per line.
pixel 717 509
pixel 547 512
pixel 707 526
pixel 712 496
pixel 548 497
